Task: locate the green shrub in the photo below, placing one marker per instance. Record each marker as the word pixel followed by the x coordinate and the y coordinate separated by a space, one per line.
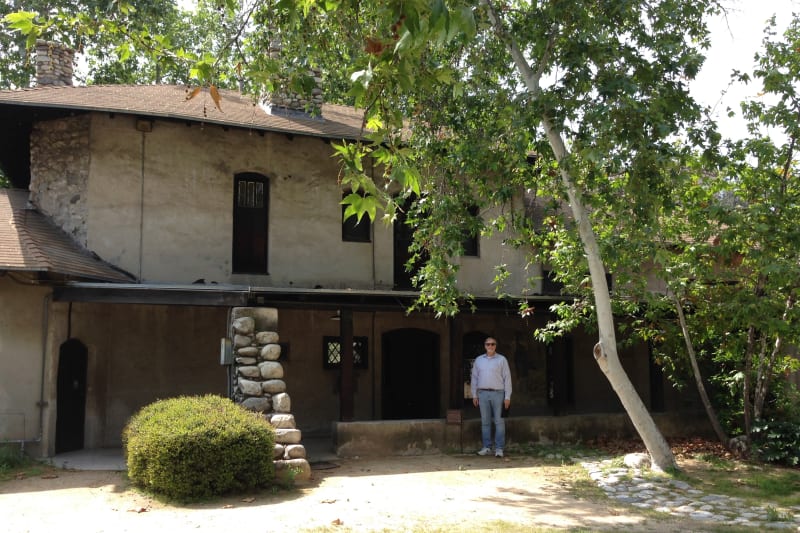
pixel 777 442
pixel 191 447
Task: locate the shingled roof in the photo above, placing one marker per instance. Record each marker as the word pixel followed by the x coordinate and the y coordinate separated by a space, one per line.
pixel 171 102
pixel 29 242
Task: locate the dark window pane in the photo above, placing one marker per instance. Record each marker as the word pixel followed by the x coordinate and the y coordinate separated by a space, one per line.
pixel 549 284
pixel 470 243
pixel 259 200
pixel 241 199
pixel 353 231
pixel 251 193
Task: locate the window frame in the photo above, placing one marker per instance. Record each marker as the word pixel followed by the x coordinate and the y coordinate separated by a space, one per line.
pixel 243 260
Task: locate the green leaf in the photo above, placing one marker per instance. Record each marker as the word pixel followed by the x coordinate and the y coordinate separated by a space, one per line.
pixel 21 21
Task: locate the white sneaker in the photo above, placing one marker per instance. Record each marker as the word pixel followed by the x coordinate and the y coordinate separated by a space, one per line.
pixel 484 451
pixel 498 453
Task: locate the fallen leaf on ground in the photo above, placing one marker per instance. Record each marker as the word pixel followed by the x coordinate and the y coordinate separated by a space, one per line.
pixel 139 510
pixel 248 500
pixel 328 501
pixel 229 506
pixel 49 476
pixel 337 522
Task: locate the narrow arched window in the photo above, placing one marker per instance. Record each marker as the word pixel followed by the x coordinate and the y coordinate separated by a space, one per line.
pixel 250 223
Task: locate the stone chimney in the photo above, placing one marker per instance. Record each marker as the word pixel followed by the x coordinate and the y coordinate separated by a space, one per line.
pixel 53 64
pixel 284 102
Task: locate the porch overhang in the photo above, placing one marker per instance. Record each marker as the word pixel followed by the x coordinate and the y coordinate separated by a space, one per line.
pixel 243 296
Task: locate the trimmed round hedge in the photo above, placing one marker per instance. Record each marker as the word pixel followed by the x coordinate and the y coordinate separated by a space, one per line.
pixel 195 447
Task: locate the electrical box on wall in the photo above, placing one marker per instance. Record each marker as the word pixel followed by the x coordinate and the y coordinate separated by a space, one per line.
pixel 225 352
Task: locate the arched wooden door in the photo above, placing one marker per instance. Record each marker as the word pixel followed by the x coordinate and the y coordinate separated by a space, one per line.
pixel 71 396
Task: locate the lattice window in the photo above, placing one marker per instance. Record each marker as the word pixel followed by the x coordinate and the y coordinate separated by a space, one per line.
pixel 332 352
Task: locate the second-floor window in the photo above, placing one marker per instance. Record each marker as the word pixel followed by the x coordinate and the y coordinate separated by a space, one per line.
pixel 470 242
pixel 250 223
pixel 354 230
pixel 553 287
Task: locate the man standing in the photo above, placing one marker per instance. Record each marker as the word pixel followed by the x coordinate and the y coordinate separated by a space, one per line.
pixel 491 391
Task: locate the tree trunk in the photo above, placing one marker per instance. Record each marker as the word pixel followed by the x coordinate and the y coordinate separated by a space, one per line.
pixel 605 352
pixel 746 386
pixel 712 414
pixel 762 386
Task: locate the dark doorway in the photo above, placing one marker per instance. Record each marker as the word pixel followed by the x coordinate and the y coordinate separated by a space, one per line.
pixel 472 344
pixel 656 382
pixel 71 396
pixel 410 374
pixel 560 376
pixel 250 219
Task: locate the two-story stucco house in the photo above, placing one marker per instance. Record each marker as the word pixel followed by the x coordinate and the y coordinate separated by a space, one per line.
pixel 139 219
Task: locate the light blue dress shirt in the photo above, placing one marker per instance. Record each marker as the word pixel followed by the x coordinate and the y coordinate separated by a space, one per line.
pixel 491 373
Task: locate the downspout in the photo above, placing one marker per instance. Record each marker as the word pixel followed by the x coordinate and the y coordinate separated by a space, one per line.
pixel 42 404
pixel 141 209
pixel 374 364
pixel 372 227
pixel 229 368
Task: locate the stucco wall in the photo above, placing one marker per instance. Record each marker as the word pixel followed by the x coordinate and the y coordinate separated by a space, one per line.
pixel 22 320
pixel 476 274
pixel 138 354
pixel 161 206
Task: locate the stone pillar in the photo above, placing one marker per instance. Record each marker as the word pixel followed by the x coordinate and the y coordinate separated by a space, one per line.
pixel 258 385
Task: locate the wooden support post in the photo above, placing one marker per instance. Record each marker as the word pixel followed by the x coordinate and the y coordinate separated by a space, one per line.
pixel 346 389
pixel 456 382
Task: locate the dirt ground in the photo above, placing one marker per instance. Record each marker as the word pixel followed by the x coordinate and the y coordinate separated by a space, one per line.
pixel 441 493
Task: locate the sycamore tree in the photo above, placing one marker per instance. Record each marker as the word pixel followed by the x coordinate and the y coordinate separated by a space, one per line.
pixel 731 254
pixel 472 104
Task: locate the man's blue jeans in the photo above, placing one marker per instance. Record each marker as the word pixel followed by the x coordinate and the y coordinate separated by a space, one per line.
pixel 490 403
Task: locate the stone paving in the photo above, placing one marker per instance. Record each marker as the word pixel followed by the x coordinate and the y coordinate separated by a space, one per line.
pixel 677 498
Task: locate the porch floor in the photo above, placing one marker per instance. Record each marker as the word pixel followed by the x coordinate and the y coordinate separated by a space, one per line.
pixel 318 449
